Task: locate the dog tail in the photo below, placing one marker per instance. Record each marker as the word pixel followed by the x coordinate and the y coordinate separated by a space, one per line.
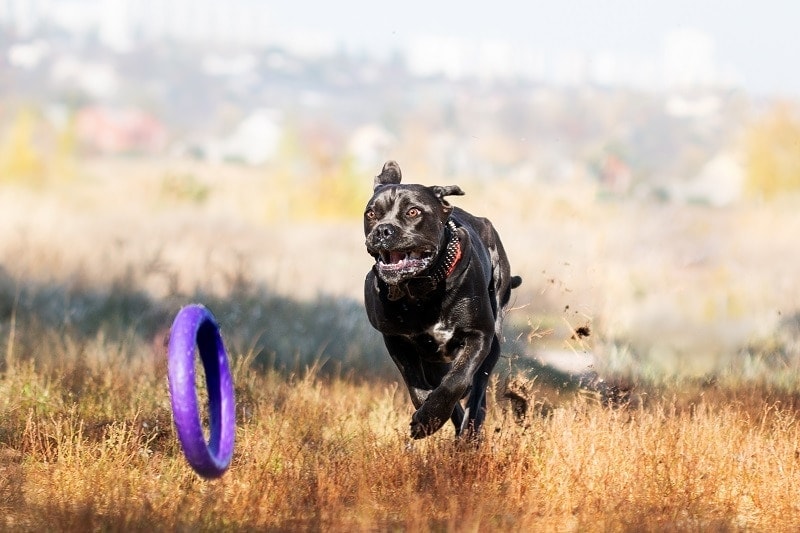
pixel 516 281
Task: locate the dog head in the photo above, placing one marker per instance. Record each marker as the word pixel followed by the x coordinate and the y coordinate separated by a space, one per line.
pixel 405 225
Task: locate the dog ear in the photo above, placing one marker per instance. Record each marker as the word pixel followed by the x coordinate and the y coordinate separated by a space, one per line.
pixel 390 175
pixel 448 190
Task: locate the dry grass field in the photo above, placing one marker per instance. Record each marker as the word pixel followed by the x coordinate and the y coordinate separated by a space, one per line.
pixel 692 313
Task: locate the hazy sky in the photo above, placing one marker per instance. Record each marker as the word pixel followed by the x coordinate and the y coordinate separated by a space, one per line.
pixel 760 40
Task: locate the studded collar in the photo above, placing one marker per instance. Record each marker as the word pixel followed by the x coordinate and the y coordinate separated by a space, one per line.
pixel 451 256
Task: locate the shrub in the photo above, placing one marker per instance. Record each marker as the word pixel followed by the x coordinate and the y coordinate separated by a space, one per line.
pixel 772 147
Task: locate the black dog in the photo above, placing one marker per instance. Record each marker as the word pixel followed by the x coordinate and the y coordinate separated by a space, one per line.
pixel 437 293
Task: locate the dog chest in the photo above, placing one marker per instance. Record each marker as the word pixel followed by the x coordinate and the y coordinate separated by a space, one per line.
pixel 436 343
pixel 441 333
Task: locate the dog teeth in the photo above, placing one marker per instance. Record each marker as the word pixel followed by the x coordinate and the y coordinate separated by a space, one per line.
pixel 399 257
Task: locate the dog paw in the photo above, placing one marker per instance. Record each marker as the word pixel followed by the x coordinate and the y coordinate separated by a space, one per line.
pixel 422 426
pixel 420 431
pixel 417 431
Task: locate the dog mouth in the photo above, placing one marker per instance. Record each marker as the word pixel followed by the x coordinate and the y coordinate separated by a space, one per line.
pixel 403 261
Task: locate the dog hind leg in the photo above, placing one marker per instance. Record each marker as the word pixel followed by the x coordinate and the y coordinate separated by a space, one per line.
pixel 476 403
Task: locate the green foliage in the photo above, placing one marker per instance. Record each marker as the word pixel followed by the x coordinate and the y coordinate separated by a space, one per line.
pixel 184 188
pixel 772 147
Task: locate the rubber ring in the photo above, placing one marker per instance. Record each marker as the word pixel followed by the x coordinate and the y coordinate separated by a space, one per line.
pixel 194 325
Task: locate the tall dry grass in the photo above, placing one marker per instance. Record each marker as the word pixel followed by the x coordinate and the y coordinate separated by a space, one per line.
pixel 333 454
pixel 87 442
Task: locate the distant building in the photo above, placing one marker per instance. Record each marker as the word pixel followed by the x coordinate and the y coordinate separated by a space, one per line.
pixel 719 183
pixel 97 79
pixel 254 141
pixel 115 131
pixel 120 24
pixel 689 61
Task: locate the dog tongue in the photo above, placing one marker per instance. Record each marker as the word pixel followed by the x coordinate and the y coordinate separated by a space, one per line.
pixel 396 257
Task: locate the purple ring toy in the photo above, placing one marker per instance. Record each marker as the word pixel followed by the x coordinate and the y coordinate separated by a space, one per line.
pixel 196 326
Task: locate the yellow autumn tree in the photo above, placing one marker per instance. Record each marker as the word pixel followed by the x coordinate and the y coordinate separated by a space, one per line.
pixel 19 158
pixel 340 191
pixel 772 149
pixel 64 161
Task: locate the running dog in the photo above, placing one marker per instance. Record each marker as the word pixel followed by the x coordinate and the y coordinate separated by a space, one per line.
pixel 437 292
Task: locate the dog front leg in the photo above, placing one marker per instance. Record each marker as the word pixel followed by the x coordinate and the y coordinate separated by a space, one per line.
pixel 443 402
pixel 414 374
pixel 418 396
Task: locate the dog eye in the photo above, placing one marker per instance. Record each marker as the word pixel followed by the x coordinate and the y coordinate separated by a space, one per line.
pixel 370 215
pixel 414 212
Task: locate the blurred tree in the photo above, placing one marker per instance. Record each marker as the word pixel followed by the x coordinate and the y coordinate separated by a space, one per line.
pixel 772 149
pixel 64 161
pixel 341 192
pixel 19 158
pixel 313 178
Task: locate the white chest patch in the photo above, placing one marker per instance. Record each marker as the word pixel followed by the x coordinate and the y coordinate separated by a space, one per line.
pixel 440 333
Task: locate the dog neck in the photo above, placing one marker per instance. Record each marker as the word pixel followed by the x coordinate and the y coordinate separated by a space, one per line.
pixel 417 286
pixel 452 254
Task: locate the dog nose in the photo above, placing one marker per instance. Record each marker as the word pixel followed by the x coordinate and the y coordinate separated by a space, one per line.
pixel 381 236
pixel 384 231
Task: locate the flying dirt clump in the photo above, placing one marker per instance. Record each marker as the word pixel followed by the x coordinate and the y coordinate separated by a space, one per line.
pixel 582 332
